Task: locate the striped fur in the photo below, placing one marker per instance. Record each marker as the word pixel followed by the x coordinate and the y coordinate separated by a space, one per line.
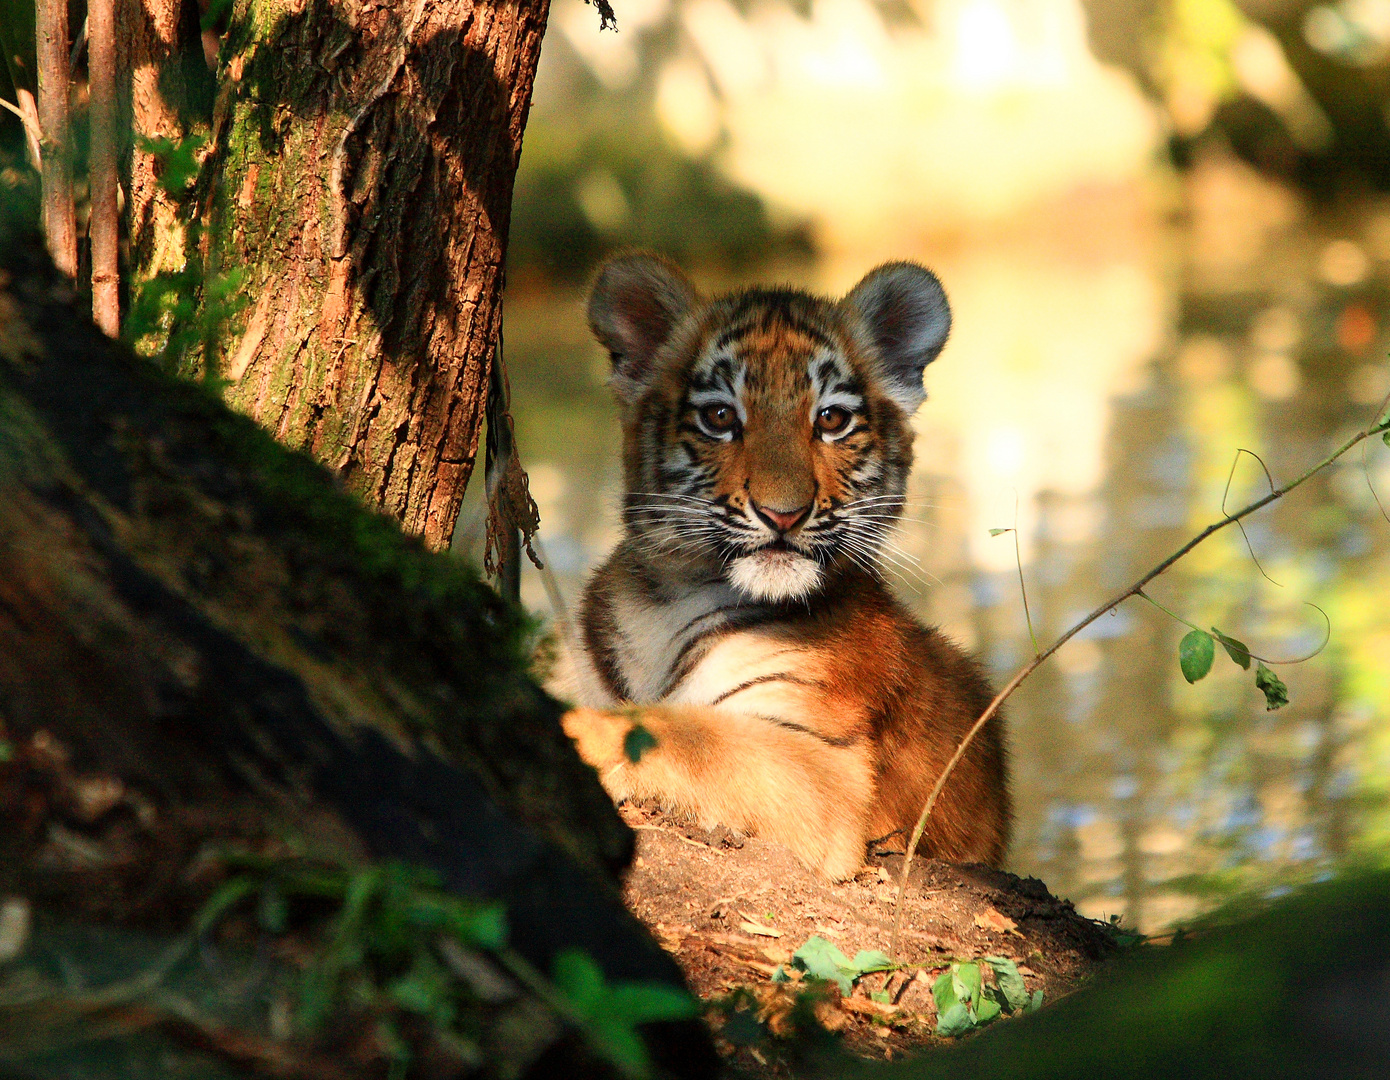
pixel 742 618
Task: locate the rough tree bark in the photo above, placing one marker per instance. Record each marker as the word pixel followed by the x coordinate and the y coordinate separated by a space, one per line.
pixel 59 218
pixel 104 157
pixel 153 62
pixel 361 177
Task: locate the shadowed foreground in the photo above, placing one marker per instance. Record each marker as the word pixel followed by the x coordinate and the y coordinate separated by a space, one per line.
pixel 1302 990
pixel 220 678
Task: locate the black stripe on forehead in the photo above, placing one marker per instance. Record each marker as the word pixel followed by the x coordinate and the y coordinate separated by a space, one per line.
pixel 834 375
pixel 767 310
pixel 718 374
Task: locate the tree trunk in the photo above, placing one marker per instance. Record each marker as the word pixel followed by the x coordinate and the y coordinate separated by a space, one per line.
pixel 104 168
pixel 151 59
pixel 59 218
pixel 362 182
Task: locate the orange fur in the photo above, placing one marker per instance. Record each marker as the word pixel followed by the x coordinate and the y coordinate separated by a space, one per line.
pixel 742 619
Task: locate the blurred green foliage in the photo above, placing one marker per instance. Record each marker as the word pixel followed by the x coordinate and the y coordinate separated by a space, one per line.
pixel 592 182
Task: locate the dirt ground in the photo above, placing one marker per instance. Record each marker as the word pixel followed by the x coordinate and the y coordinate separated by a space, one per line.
pixel 732 910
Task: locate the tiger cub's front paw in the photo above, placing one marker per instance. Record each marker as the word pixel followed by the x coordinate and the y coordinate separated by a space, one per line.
pixel 598 736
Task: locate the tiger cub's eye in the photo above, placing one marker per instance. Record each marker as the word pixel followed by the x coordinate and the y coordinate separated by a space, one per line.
pixel 719 418
pixel 832 420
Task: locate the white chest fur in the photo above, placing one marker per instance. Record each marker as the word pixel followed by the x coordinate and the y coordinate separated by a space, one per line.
pixel 655 638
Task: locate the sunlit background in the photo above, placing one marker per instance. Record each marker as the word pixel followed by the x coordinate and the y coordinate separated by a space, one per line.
pixel 1160 227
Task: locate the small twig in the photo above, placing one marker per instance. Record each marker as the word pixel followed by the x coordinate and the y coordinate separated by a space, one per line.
pixel 1171 614
pixel 31 126
pixel 1229 476
pixel 1018 561
pixel 28 112
pixel 263 1056
pixel 557 599
pixel 80 43
pixel 1382 423
pixel 1366 472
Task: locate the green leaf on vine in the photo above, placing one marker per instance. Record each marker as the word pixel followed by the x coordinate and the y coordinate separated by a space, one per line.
pixel 1275 692
pixel 1196 651
pixel 637 742
pixel 1236 650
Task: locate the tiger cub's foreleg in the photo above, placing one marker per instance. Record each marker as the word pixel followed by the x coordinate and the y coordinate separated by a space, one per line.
pixel 742 771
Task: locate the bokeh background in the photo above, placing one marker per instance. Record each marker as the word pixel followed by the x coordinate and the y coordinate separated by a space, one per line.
pixel 1162 227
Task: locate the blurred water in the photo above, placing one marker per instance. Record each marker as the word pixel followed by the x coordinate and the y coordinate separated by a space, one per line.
pixel 1110 355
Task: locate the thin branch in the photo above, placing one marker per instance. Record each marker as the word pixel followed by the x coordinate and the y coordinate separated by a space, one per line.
pixel 1023 588
pixel 1381 424
pixel 1366 472
pixel 1236 460
pixel 80 43
pixel 1326 637
pixel 1018 562
pixel 33 131
pixel 557 600
pixel 1248 546
pixel 31 126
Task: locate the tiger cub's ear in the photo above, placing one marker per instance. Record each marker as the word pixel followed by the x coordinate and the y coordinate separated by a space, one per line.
pixel 636 303
pixel 904 310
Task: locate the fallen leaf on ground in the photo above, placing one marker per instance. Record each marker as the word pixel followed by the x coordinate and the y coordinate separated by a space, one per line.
pixel 989 919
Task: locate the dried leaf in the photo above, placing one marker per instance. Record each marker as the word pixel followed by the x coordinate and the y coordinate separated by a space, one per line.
pixel 989 919
pixel 761 931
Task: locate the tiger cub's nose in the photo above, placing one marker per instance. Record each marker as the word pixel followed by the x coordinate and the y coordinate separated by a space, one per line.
pixel 782 521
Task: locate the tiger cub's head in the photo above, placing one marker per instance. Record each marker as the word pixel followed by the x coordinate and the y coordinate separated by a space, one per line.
pixel 766 431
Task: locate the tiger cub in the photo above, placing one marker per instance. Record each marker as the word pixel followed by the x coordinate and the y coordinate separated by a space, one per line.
pixel 742 619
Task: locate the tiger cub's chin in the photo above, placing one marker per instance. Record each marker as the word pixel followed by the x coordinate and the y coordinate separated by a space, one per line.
pixel 775 575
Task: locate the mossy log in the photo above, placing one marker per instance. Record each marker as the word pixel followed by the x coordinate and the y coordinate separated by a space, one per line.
pixel 1301 989
pixel 203 642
